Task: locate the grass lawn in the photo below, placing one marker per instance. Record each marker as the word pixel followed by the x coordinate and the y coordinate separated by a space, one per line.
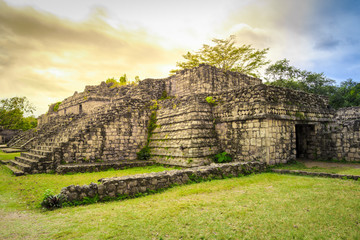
pixel 337 170
pixel 8 156
pixel 262 206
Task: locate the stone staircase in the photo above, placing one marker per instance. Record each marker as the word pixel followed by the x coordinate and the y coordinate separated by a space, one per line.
pixel 186 134
pixel 42 157
pixel 21 140
pixel 39 159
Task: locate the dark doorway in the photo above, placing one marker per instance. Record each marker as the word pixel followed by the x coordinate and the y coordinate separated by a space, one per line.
pixel 304 135
pixel 80 108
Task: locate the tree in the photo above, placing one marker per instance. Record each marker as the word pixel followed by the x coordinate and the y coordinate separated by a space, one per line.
pixel 281 74
pixel 12 112
pixel 225 55
pixel 347 95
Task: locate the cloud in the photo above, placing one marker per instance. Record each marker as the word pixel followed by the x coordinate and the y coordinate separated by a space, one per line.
pixel 44 57
pixel 327 43
pixel 314 35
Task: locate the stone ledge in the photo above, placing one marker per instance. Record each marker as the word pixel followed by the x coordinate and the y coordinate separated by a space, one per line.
pixel 100 166
pixel 149 182
pixel 316 174
pixel 13 150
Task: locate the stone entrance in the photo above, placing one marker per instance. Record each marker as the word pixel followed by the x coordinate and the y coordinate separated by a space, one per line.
pixel 304 133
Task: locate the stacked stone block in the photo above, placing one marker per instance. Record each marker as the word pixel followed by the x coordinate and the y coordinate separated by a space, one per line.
pixel 339 138
pixel 129 186
pixel 185 135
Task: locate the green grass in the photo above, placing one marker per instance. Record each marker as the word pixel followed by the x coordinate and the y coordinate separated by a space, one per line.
pixel 263 206
pixel 29 189
pixel 8 156
pixel 337 170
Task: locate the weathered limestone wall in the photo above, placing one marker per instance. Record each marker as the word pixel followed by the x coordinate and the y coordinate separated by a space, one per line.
pixel 111 135
pixel 7 134
pixel 339 138
pixel 206 79
pixel 265 140
pixel 259 122
pixel 185 134
pixel 142 183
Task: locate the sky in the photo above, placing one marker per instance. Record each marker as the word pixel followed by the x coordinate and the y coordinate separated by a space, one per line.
pixel 50 49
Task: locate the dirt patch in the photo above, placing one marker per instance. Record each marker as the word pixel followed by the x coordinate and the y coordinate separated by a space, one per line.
pixel 310 163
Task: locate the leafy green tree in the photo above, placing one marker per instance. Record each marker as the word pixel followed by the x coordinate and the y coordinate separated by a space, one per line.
pixel 12 112
pixel 227 56
pixel 347 95
pixel 283 75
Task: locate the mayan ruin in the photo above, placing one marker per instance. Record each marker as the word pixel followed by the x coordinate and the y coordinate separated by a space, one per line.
pixel 184 120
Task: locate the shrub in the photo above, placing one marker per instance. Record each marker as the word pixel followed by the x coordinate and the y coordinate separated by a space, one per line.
pixel 144 153
pixel 51 201
pixel 56 106
pixel 222 157
pixel 211 100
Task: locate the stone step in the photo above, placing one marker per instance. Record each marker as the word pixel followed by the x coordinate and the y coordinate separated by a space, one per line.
pixel 44 148
pixel 31 162
pixel 16 171
pixel 185 126
pixel 21 166
pixel 100 166
pixel 40 152
pixel 183 118
pixel 171 113
pixel 185 152
pixel 33 156
pixel 190 142
pixel 23 144
pixel 183 134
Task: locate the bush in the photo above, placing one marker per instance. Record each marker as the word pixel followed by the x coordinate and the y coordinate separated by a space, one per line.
pixel 51 201
pixel 144 153
pixel 56 106
pixel 222 157
pixel 211 100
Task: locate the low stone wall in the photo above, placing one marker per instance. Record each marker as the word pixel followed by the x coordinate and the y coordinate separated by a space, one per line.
pixel 102 166
pixel 143 183
pixel 316 174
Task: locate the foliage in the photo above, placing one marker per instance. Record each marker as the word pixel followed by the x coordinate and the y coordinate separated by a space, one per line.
pixel 222 157
pixel 21 103
pixel 346 95
pixel 164 96
pixel 144 153
pixel 51 201
pixel 211 100
pixel 56 106
pixel 225 55
pixel 123 80
pixel 281 74
pixel 12 112
pixel 137 80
